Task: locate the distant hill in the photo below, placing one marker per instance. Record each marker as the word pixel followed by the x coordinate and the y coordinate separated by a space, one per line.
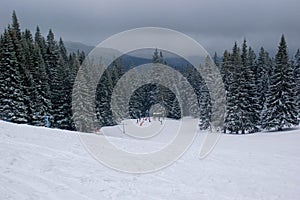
pixel 144 56
pixel 134 58
pixel 129 60
pixel 74 46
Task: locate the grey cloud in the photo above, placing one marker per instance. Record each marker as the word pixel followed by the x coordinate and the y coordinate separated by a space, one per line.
pixel 216 24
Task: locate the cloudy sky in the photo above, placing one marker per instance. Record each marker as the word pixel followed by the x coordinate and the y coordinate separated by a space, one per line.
pixel 215 24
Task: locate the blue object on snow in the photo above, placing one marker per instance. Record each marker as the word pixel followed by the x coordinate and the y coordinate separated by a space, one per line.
pixel 47 122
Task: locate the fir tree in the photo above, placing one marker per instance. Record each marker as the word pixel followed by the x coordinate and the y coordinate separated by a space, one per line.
pixel 205 100
pixel 32 77
pixel 155 57
pixel 19 41
pixel 55 64
pixel 280 108
pixel 233 112
pixel 262 73
pixel 66 89
pixel 216 60
pixel 41 42
pixel 81 56
pixel 249 115
pixel 43 105
pixel 16 26
pixel 227 78
pixel 12 102
pixel 297 79
pixel 82 102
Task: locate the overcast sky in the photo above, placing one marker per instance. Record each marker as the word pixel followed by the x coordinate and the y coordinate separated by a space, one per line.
pixel 215 24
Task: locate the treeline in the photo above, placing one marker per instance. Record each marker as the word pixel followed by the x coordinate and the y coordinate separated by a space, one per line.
pixel 36 78
pixel 262 93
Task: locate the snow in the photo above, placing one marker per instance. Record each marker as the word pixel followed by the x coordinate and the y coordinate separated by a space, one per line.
pixel 41 163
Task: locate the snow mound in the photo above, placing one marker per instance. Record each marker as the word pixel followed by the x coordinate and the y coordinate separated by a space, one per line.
pixel 41 163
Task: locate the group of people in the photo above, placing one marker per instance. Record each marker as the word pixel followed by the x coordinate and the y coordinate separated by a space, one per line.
pixel 138 120
pixel 146 117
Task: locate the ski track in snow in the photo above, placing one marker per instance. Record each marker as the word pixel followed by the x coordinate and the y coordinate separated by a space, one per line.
pixel 40 163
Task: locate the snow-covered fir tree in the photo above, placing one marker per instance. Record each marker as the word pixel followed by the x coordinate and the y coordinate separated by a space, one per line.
pixel 84 114
pixel 55 68
pixel 280 108
pixel 297 79
pixel 233 69
pixel 263 73
pixel 248 102
pixel 205 107
pixel 13 106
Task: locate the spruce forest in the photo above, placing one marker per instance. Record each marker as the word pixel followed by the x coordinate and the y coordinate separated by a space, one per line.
pixel 37 76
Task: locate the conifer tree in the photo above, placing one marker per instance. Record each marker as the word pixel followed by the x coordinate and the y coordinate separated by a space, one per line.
pixel 280 107
pixel 263 74
pixel 16 26
pixel 41 42
pixel 233 113
pixel 12 102
pixel 205 100
pixel 55 64
pixel 82 102
pixel 216 60
pixel 19 43
pixel 42 102
pixel 249 115
pixel 297 79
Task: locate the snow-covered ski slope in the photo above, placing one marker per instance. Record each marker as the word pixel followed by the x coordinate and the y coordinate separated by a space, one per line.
pixel 40 163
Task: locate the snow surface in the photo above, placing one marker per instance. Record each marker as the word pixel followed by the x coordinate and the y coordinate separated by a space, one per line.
pixel 41 163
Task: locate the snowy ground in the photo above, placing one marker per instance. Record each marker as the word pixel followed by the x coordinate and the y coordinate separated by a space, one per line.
pixel 40 163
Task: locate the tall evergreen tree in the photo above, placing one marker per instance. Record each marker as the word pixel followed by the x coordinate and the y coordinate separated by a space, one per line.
pixel 66 89
pixel 205 100
pixel 227 78
pixel 262 73
pixel 81 56
pixel 216 60
pixel 232 120
pixel 155 57
pixel 41 42
pixel 12 102
pixel 16 25
pixel 43 105
pixel 280 108
pixel 225 68
pixel 21 51
pixel 84 115
pixel 249 115
pixel 30 74
pixel 55 64
pixel 297 79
